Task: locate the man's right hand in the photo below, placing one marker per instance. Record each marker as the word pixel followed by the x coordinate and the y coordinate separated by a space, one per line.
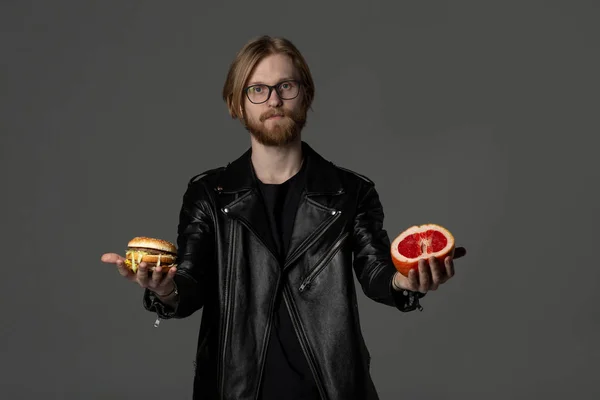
pixel 160 283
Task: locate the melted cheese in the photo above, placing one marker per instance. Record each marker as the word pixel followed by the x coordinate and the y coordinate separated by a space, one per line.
pixel 134 257
pixel 130 256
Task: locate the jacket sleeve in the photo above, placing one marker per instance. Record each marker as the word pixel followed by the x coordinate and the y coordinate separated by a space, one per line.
pixel 195 254
pixel 372 256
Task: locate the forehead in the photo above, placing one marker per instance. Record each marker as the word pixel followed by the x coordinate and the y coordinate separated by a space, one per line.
pixel 272 69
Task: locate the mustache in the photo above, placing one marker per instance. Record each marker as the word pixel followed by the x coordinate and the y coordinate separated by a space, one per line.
pixel 275 113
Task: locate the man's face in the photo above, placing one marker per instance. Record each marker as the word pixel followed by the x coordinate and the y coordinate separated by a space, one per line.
pixel 277 121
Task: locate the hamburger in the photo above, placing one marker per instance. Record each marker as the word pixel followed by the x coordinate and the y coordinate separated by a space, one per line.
pixel 154 252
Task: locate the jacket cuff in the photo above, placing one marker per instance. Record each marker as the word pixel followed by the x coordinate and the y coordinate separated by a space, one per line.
pixel 152 303
pixel 406 300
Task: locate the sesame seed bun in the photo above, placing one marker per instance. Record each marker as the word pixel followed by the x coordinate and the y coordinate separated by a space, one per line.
pixel 154 252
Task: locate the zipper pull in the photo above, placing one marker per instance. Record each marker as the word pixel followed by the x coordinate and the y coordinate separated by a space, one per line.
pixel 303 287
pixel 157 322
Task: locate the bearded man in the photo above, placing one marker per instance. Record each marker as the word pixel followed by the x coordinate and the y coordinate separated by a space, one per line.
pixel 267 248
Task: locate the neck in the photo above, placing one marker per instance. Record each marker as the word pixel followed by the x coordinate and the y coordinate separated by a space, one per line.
pixel 276 164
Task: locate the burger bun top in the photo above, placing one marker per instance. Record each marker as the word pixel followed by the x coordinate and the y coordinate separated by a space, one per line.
pixel 152 243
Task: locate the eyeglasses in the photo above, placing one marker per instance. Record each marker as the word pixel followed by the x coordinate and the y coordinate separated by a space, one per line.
pixel 286 90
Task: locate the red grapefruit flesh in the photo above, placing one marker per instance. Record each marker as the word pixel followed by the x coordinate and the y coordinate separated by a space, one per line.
pixel 421 242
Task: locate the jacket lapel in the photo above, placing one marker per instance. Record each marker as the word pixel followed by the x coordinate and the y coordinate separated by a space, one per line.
pixel 312 220
pixel 250 211
pixel 238 186
pixel 315 210
pixel 242 200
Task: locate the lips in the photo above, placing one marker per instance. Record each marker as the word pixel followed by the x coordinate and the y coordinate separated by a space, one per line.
pixel 272 115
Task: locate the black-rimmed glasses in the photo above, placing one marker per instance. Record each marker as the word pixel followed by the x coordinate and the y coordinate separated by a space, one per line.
pixel 286 90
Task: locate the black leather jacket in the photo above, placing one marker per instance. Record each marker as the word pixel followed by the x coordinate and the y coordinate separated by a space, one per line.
pixel 228 269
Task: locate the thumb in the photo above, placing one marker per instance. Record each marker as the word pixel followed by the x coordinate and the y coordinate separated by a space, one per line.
pixel 459 252
pixel 111 258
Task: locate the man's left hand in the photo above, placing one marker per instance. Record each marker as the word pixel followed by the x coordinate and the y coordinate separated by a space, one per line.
pixel 430 274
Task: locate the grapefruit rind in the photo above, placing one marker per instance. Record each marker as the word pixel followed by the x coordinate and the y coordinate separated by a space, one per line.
pixel 404 264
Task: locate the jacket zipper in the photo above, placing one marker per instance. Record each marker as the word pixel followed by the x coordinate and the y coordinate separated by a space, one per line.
pixel 226 313
pixel 322 263
pixel 265 345
pixel 316 235
pixel 268 327
pixel 291 306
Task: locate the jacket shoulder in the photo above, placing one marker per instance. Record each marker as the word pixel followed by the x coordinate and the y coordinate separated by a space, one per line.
pixel 206 176
pixel 353 175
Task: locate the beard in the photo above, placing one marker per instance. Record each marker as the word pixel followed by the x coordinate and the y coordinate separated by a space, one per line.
pixel 282 131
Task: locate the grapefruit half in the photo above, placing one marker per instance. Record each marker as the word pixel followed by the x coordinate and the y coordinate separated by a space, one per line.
pixel 421 242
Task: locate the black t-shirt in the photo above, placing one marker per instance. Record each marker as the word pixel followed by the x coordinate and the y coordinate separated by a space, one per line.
pixel 287 374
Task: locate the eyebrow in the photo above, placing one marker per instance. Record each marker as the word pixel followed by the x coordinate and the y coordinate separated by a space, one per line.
pixel 288 78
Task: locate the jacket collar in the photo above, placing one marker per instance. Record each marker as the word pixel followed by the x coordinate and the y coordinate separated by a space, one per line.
pixel 321 175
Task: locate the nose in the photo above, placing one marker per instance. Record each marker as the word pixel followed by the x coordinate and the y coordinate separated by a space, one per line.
pixel 275 100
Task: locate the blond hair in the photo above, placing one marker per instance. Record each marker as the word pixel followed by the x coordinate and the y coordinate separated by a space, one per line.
pixel 245 62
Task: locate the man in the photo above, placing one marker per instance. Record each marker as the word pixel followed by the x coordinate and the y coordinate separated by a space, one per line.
pixel 267 246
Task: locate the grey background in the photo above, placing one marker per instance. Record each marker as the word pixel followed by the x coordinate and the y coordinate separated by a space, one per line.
pixel 481 116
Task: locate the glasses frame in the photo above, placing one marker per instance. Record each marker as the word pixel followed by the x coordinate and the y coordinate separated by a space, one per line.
pixel 271 88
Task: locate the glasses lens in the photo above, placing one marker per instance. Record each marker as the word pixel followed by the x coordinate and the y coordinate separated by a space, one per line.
pixel 288 90
pixel 258 93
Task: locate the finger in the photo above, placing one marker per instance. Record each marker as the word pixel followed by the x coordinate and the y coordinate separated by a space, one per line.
pixel 111 258
pixel 142 275
pixel 170 274
pixel 438 272
pixel 424 276
pixel 167 277
pixel 460 252
pixel 157 277
pixel 124 271
pixel 449 264
pixel 413 280
pixel 122 268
